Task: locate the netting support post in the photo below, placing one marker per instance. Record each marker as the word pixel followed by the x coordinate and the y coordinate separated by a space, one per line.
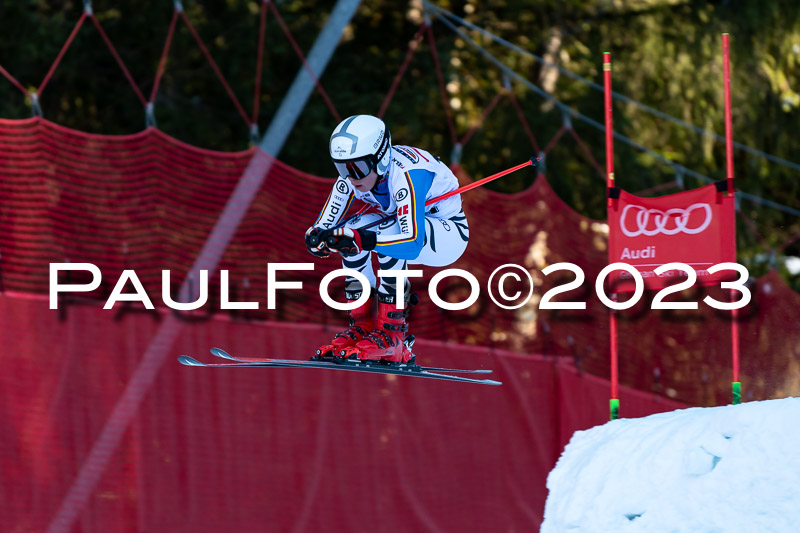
pixel 455 155
pixel 567 118
pixel 679 175
pixel 426 15
pixel 542 166
pixel 36 109
pixel 506 82
pixel 150 116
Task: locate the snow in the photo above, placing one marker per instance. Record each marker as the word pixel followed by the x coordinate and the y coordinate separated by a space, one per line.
pixel 701 470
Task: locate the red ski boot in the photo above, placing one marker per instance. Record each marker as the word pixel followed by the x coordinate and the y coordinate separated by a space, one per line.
pixel 361 322
pixel 385 342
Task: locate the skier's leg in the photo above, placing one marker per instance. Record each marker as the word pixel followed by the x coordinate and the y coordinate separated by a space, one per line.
pixel 386 340
pixel 445 241
pixel 361 262
pixel 361 318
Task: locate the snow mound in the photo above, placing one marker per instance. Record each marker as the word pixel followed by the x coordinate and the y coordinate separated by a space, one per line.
pixel 711 470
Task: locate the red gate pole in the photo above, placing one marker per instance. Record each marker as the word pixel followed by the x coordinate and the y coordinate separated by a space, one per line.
pixel 609 123
pixel 726 75
pixel 612 318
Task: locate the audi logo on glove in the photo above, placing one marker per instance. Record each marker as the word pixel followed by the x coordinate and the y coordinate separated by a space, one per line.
pixel 669 222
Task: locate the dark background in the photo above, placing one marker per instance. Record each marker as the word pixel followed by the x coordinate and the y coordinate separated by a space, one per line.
pixel 666 54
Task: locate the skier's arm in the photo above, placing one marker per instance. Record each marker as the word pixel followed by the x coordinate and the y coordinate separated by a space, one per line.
pixel 410 197
pixel 336 205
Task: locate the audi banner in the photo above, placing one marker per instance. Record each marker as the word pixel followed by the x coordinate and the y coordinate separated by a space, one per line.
pixel 694 227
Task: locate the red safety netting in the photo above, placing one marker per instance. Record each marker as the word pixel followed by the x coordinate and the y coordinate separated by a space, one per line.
pixel 281 450
pixel 147 202
pixel 278 449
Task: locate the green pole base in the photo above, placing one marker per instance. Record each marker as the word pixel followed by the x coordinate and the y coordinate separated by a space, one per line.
pixel 614 405
pixel 737 392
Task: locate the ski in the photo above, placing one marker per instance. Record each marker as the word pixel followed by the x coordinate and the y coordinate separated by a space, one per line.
pixel 219 352
pixel 353 366
pixel 187 360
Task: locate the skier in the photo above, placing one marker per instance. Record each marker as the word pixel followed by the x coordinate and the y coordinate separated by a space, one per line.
pixel 395 180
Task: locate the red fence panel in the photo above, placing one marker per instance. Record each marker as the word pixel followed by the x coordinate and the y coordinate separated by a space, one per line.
pixel 275 449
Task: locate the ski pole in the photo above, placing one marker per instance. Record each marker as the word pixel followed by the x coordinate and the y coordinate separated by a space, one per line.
pixel 534 161
pixel 351 217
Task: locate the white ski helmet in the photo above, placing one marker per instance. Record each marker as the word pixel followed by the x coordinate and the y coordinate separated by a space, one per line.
pixel 359 145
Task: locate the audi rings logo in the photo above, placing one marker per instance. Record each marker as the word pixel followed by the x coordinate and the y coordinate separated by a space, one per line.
pixel 654 221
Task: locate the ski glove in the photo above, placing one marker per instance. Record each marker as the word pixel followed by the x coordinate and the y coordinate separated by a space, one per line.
pixel 315 243
pixel 349 242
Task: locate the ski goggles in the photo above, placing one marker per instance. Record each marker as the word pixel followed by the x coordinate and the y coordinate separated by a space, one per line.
pixel 355 170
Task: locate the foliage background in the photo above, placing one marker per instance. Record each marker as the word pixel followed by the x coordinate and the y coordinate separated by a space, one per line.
pixel 666 54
